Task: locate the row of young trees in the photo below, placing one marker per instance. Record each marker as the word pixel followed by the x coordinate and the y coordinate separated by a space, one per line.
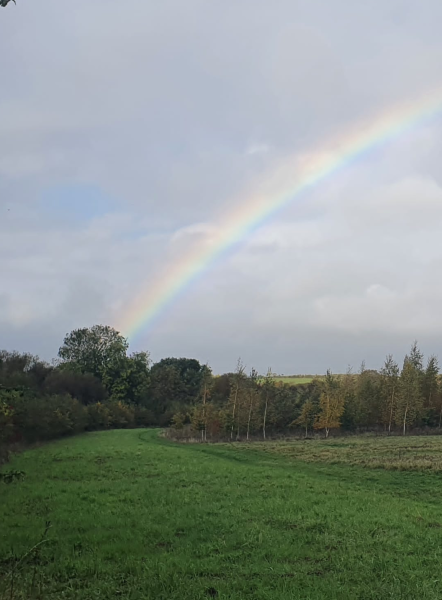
pixel 96 384
pixel 391 399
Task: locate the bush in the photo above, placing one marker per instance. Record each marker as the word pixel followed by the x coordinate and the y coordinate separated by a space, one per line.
pixel 48 417
pixel 86 388
pixel 98 416
pixel 121 416
pixel 143 417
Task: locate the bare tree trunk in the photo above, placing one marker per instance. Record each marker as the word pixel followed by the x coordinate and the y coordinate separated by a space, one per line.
pixel 440 417
pixel 233 411
pixel 326 432
pixel 391 413
pixel 250 416
pixel 204 431
pixel 265 417
pixel 306 430
pixel 405 419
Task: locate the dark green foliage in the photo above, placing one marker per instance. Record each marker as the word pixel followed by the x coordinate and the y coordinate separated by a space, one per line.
pixel 48 417
pixel 85 387
pixel 221 388
pixel 430 391
pixel 22 371
pixel 93 350
pixel 189 372
pixel 166 388
pixel 127 378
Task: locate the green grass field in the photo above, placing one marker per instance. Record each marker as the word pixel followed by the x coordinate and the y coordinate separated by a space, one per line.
pixel 418 453
pixel 294 380
pixel 134 516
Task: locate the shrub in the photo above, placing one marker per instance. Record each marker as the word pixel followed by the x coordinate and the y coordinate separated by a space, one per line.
pixel 48 417
pixel 121 416
pixel 143 417
pixel 98 416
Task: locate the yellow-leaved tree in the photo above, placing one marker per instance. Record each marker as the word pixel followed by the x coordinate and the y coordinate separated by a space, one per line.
pixel 331 404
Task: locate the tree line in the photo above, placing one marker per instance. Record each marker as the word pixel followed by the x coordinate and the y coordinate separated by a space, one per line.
pixel 395 399
pixel 96 384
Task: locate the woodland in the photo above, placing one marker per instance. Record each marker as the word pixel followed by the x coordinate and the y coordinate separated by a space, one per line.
pixel 95 384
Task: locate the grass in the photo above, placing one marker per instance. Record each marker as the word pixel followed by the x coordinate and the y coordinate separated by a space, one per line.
pixel 136 517
pixel 293 380
pixel 408 453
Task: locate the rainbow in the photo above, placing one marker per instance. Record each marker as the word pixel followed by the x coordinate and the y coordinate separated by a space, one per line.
pixel 278 188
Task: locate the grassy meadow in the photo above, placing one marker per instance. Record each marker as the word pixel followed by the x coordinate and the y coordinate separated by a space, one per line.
pixel 133 516
pixel 409 453
pixel 293 380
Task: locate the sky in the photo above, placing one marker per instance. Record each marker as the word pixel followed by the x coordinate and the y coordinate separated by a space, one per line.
pixel 129 130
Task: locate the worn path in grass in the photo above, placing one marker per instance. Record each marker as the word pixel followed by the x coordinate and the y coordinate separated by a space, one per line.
pixel 136 517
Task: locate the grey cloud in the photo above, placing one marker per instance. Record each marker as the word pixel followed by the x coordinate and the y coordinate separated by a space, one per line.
pixel 172 109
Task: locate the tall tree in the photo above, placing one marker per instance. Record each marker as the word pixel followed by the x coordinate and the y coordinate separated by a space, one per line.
pixel 307 417
pixel 252 393
pixel 127 377
pixel 389 391
pixel 416 357
pixel 409 402
pixel 268 389
pixel 93 350
pixel 331 405
pixel 430 389
pixel 351 415
pixel 439 401
pixel 368 398
pixel 190 372
pixel 205 393
pixel 235 395
pixel 165 392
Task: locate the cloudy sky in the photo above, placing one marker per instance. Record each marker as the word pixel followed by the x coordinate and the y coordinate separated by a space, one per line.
pixel 129 130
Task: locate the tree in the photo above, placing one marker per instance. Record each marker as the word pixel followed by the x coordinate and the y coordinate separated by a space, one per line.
pixel 235 395
pixel 431 388
pixel 307 417
pixel 6 422
pixel 22 370
pixel 93 350
pixel 86 388
pixel 178 420
pixel 366 402
pixel 439 398
pixel 253 397
pixel 165 391
pixel 351 415
pixel 205 393
pixel 268 388
pixel 416 357
pixel 221 388
pixel 409 402
pixel 331 405
pixel 389 390
pixel 127 377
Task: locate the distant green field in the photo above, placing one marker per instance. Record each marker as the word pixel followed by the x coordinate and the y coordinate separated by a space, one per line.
pixel 136 517
pixel 293 380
